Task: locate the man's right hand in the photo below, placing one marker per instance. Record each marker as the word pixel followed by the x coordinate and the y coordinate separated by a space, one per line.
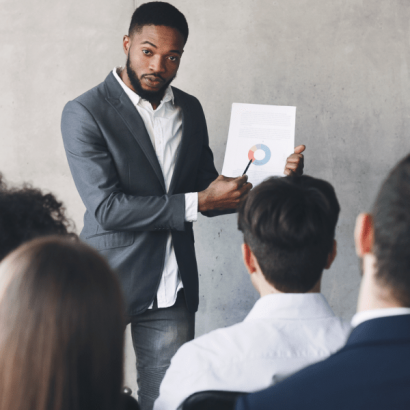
pixel 224 193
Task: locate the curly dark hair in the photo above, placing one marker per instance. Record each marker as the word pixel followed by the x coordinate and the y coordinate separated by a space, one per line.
pixel 27 213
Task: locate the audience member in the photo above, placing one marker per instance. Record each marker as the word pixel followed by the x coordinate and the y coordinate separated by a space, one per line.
pixel 372 370
pixel 61 329
pixel 289 227
pixel 27 213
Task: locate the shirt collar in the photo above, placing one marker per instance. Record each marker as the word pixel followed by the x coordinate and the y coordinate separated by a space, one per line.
pixel 134 97
pixel 291 306
pixel 365 315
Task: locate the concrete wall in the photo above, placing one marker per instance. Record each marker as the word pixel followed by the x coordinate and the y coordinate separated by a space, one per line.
pixel 343 63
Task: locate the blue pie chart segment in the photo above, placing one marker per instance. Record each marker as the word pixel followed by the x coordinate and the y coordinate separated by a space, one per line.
pixel 265 149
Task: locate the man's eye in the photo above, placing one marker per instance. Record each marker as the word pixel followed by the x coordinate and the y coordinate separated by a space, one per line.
pixel 146 52
pixel 172 58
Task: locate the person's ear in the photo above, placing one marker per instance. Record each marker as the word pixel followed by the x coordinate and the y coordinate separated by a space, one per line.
pixel 126 44
pixel 332 255
pixel 363 234
pixel 248 258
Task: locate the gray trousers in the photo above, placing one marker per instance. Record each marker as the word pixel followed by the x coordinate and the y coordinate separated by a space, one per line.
pixel 156 335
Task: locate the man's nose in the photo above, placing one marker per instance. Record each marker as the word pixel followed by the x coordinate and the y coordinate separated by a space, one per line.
pixel 157 64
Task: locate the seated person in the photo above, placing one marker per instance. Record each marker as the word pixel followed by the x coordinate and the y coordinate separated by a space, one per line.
pixel 61 329
pixel 27 213
pixel 372 370
pixel 289 227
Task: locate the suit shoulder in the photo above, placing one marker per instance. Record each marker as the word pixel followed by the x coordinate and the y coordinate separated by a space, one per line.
pixel 90 97
pixel 94 101
pixel 216 346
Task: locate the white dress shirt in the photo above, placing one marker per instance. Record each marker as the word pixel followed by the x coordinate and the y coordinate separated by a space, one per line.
pixel 365 315
pixel 164 127
pixel 282 334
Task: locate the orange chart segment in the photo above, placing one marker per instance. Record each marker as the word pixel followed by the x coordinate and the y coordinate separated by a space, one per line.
pixel 264 160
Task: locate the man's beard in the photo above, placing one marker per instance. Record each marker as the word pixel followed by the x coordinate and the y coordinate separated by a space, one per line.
pixel 151 96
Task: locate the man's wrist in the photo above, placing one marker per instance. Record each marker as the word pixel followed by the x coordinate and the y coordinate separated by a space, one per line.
pixel 202 201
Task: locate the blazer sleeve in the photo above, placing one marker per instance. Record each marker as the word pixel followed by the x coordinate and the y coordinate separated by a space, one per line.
pixel 98 184
pixel 207 171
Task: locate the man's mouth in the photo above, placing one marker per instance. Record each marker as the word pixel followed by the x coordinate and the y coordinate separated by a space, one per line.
pixel 152 81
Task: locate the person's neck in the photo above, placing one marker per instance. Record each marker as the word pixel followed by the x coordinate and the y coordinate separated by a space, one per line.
pixel 266 288
pixel 371 295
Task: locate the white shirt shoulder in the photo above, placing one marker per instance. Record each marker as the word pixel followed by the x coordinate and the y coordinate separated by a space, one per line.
pixel 253 354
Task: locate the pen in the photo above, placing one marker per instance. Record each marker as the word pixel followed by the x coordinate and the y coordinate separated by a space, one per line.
pixel 250 162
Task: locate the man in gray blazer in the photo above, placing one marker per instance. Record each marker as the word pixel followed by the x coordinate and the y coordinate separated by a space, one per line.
pixel 139 154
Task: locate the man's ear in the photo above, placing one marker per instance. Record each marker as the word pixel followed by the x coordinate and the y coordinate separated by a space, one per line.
pixel 332 255
pixel 363 234
pixel 248 258
pixel 126 43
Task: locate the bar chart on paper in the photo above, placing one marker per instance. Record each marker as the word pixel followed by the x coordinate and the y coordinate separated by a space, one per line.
pixel 261 136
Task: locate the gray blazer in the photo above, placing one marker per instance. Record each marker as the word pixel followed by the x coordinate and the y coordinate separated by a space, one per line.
pixel 129 213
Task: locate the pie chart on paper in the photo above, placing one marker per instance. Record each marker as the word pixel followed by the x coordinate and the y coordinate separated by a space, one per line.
pixel 264 160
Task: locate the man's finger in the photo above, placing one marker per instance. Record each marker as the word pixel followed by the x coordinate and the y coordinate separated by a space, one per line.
pixel 299 149
pixel 292 166
pixel 241 180
pixel 245 188
pixel 224 178
pixel 295 158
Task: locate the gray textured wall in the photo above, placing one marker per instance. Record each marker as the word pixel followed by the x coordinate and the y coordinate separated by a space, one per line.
pixel 343 63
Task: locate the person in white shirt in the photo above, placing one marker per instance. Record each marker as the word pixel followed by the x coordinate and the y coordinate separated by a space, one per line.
pixel 289 229
pixel 372 370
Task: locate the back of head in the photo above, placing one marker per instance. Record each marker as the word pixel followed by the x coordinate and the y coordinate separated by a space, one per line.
pixel 289 224
pixel 61 328
pixel 158 13
pixel 27 213
pixel 391 219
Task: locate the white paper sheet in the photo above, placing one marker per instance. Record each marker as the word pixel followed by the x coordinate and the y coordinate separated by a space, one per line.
pixel 265 133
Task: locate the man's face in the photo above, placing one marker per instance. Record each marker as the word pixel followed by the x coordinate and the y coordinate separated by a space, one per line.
pixel 153 59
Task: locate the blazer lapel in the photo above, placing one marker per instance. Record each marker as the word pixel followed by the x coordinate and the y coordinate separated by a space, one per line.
pixel 119 100
pixel 186 141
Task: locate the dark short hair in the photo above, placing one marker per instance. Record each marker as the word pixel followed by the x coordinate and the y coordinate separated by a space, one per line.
pixel 289 223
pixel 62 328
pixel 391 219
pixel 158 13
pixel 27 213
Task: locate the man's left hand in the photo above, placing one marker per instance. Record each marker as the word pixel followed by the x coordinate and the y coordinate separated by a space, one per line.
pixel 295 162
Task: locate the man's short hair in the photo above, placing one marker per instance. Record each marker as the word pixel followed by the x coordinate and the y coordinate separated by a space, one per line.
pixel 289 224
pixel 158 13
pixel 391 221
pixel 26 213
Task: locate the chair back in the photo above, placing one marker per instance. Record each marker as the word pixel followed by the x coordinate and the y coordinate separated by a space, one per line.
pixel 128 402
pixel 211 399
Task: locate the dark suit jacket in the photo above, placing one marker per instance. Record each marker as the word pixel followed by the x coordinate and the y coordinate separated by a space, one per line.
pixel 129 213
pixel 371 372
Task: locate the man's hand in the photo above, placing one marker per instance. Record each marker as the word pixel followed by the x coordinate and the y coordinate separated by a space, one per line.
pixel 224 193
pixel 295 162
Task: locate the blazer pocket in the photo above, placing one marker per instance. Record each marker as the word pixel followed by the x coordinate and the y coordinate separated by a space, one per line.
pixel 110 240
